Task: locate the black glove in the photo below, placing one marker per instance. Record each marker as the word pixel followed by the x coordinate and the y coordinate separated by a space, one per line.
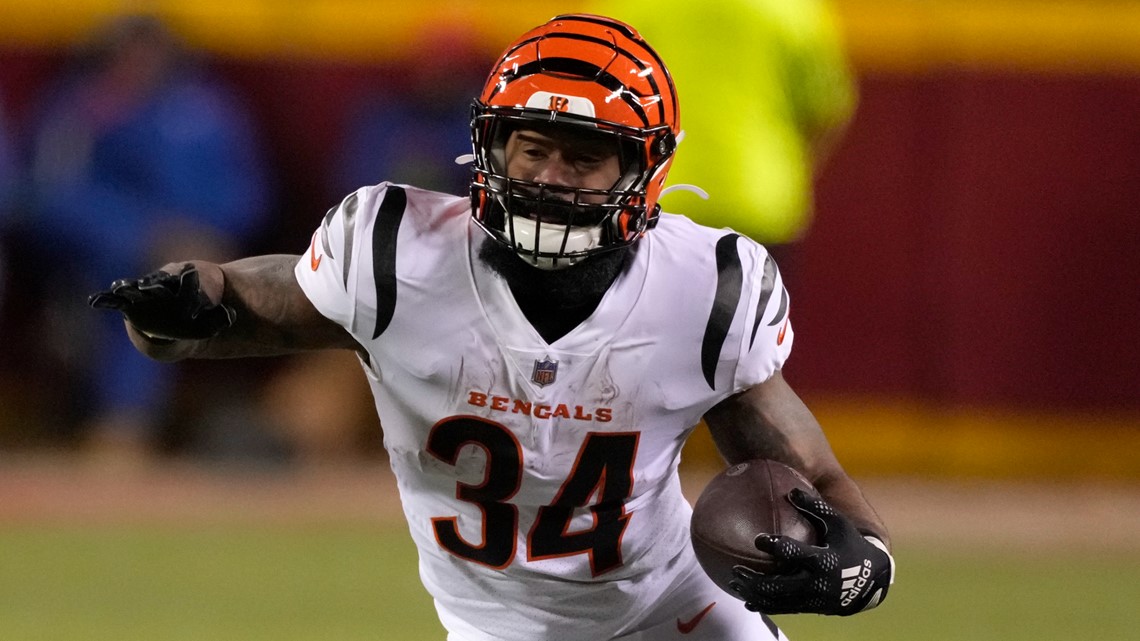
pixel 847 574
pixel 166 306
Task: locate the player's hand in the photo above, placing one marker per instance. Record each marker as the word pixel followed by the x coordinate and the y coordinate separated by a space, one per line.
pixel 846 574
pixel 166 306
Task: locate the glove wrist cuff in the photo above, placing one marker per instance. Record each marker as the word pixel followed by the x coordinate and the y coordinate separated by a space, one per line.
pixel 153 338
pixel 877 542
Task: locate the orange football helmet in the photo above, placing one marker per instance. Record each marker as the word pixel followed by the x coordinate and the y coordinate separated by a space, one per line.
pixel 596 76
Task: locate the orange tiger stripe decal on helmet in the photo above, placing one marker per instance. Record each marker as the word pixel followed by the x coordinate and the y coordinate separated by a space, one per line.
pixel 588 71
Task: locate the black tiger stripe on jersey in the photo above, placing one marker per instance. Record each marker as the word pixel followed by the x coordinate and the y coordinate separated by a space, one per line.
pixel 729 279
pixel 384 233
pixel 325 244
pixel 348 223
pixel 783 308
pixel 767 287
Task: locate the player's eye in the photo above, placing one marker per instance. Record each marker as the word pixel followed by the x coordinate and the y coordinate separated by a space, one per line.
pixel 587 162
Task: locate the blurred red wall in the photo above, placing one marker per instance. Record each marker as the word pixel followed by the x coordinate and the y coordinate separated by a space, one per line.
pixel 977 239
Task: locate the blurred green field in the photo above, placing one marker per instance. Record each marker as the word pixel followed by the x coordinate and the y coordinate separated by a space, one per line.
pixel 350 581
pixel 221 582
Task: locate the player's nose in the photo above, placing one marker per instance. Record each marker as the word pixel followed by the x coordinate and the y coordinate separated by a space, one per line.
pixel 555 171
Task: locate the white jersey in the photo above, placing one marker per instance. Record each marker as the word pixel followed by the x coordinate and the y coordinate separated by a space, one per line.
pixel 539 480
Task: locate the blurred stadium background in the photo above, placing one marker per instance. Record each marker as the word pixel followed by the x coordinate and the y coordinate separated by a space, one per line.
pixel 967 313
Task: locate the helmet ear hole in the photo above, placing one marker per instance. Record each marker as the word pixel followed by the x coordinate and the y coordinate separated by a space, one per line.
pixel 636 222
pixel 665 144
pixel 615 228
pixel 653 218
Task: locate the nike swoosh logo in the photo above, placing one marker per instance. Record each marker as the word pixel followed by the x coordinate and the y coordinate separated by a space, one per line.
pixel 686 627
pixel 779 337
pixel 314 260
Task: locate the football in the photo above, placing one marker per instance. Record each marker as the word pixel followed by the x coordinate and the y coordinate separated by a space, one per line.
pixel 740 503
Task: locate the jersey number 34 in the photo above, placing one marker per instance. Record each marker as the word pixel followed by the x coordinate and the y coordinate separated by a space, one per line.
pixel 603 469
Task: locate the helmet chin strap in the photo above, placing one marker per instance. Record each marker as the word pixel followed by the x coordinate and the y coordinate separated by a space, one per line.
pixel 548 238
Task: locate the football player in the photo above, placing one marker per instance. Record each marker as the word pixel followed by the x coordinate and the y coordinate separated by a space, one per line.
pixel 540 350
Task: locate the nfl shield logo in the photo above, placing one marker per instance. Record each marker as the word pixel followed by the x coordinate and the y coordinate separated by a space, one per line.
pixel 544 372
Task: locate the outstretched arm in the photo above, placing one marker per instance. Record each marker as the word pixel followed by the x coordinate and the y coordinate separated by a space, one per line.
pixel 254 305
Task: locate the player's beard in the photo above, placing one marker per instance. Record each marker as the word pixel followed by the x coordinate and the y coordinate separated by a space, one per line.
pixel 580 284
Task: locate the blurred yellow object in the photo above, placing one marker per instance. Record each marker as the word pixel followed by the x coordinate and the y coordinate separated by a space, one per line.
pixel 765 89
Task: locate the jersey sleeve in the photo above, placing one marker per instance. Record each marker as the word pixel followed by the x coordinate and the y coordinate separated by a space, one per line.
pixel 328 271
pixel 766 340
